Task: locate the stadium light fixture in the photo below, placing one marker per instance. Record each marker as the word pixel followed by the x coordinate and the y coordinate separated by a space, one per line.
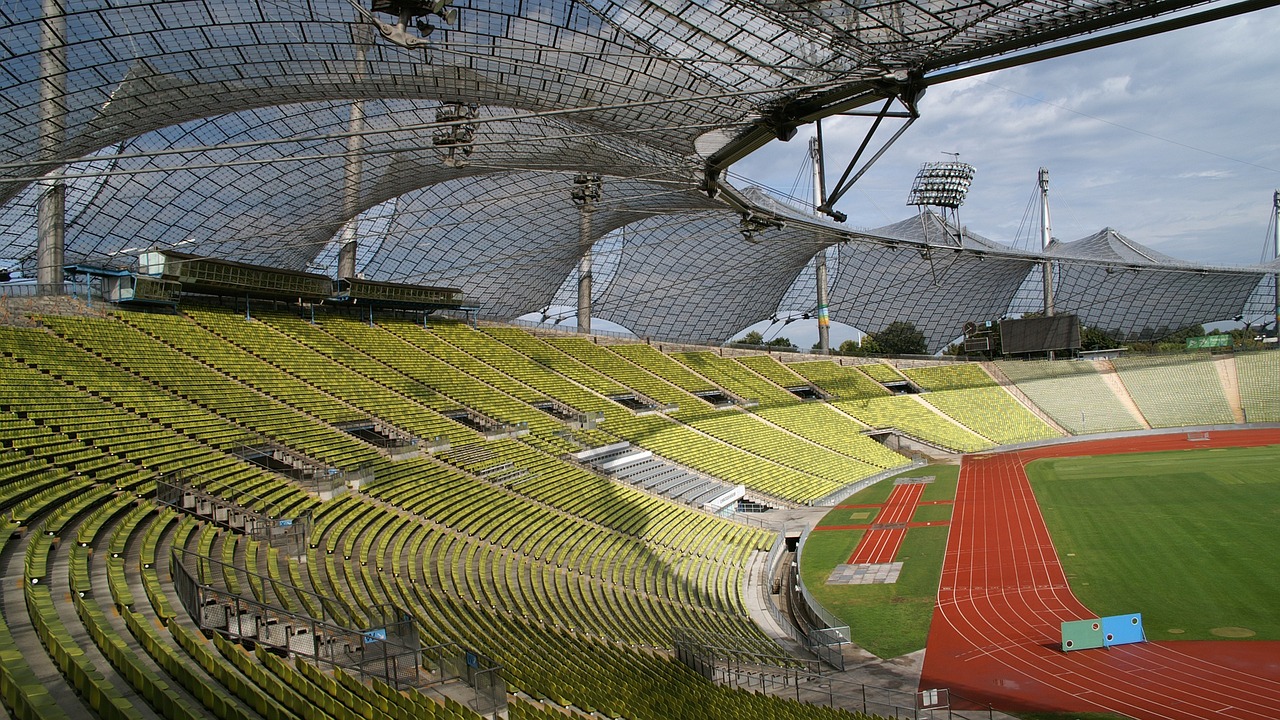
pixel 411 12
pixel 456 139
pixel 752 225
pixel 942 184
pixel 587 189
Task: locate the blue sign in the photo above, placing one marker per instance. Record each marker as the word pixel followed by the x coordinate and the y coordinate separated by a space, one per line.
pixel 373 636
pixel 1123 629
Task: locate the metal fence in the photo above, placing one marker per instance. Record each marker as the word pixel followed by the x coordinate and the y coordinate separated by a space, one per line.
pixel 838 495
pixel 481 673
pixel 388 649
pixel 80 290
pixel 810 601
pixel 287 535
pixel 714 658
pixel 827 644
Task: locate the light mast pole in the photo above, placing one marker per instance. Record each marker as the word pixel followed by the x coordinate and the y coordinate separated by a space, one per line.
pixel 1046 234
pixel 1275 226
pixel 820 260
pixel 584 269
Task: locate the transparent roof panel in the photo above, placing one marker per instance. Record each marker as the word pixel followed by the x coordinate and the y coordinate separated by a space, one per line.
pixel 936 289
pixel 697 276
pixel 253 198
pixel 1144 303
pixel 119 70
pixel 508 241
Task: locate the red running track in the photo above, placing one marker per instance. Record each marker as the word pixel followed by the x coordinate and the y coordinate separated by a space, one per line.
pixel 881 545
pixel 996 631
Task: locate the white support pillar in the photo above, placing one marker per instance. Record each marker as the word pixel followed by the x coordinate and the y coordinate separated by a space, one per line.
pixel 584 269
pixel 50 236
pixel 51 207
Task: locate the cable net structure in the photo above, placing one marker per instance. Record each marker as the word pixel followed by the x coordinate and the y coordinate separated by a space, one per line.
pixel 273 133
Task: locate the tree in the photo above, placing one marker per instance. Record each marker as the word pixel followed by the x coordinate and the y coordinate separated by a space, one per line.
pixel 858 349
pixel 756 338
pixel 1091 338
pixel 1181 336
pixel 850 347
pixel 900 338
pixel 1244 339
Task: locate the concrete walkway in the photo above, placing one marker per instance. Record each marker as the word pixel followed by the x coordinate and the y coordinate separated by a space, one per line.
pixel 24 633
pixel 868 683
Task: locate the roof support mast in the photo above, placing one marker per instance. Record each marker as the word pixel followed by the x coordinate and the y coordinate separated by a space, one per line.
pixel 51 208
pixel 820 259
pixel 353 168
pixel 1046 237
pixel 584 272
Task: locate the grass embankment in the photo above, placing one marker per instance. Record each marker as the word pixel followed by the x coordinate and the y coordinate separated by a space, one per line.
pixel 888 620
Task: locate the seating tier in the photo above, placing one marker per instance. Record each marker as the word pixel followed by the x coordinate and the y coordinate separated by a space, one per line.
pixel 1256 375
pixel 1072 393
pixel 839 381
pixel 1176 390
pixel 912 417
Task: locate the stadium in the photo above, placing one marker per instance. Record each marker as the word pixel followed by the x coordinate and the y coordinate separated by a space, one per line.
pixel 275 441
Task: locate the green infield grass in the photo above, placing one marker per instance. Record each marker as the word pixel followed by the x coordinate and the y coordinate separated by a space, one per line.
pixel 887 620
pixel 1189 539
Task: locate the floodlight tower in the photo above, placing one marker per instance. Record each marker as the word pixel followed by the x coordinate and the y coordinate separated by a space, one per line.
pixel 820 260
pixel 943 185
pixel 1046 236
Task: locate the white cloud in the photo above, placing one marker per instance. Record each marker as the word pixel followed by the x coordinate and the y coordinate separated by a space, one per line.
pixel 1207 174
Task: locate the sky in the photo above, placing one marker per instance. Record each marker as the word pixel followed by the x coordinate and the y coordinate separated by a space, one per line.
pixel 1171 140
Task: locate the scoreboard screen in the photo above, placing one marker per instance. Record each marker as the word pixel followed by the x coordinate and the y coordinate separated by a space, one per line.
pixel 1031 335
